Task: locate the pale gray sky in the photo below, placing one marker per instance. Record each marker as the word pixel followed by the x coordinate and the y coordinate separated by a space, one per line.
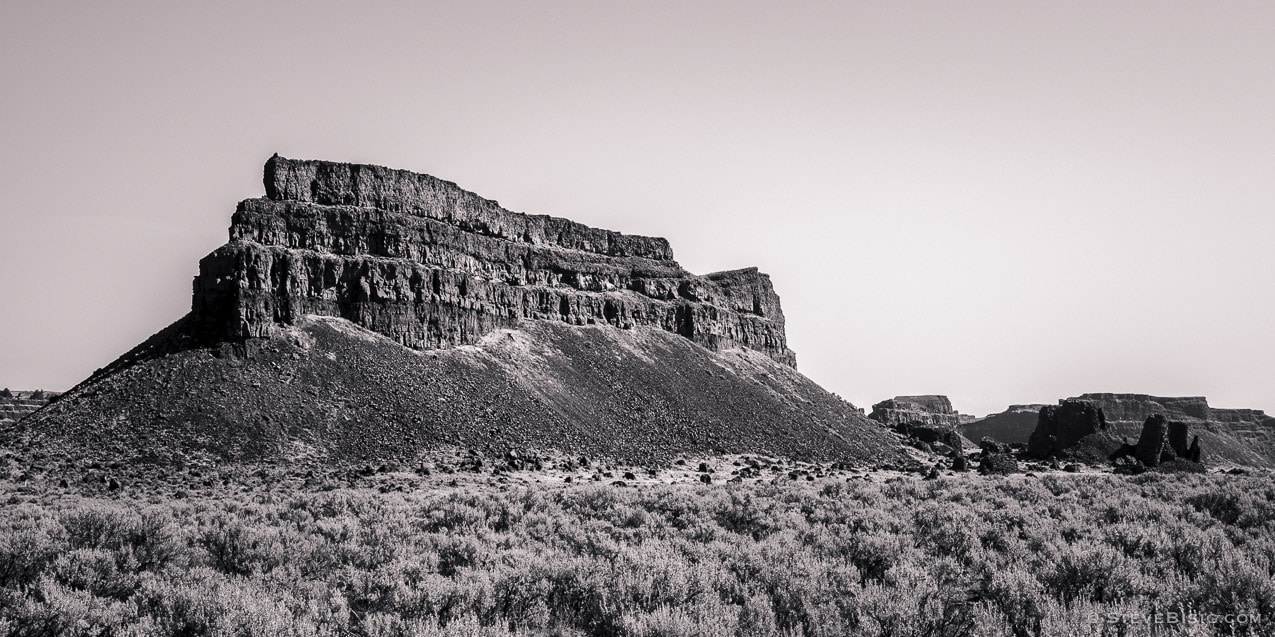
pixel 1004 202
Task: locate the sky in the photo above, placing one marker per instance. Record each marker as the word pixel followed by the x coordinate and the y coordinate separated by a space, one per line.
pixel 1003 202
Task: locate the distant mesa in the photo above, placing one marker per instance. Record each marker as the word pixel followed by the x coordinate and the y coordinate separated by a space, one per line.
pixel 361 311
pixel 1239 436
pixel 926 410
pixel 17 404
pixel 926 420
pixel 1014 425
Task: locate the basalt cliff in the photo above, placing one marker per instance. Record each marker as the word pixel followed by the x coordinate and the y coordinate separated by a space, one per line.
pixel 429 265
pixel 358 311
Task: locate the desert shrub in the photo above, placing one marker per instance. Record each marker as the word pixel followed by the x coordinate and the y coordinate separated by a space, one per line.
pixel 1098 573
pixel 1243 510
pixel 1233 582
pixel 61 610
pixel 93 570
pixel 29 542
pixel 1013 556
pixel 148 537
pixel 1020 598
pixel 202 601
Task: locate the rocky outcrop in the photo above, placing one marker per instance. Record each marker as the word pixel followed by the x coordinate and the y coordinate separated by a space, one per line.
pixel 430 265
pixel 1124 408
pixel 1060 427
pixel 1193 452
pixel 926 420
pixel 916 410
pixel 1239 436
pixel 1162 443
pixel 1015 424
pixel 1177 438
pixel 16 405
pixel 1154 441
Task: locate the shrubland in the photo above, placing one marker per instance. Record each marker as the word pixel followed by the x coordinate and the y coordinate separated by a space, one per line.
pixel 1056 554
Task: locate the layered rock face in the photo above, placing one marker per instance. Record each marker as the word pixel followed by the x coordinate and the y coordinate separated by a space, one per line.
pixel 925 419
pixel 1134 408
pixel 430 265
pixel 16 405
pixel 929 410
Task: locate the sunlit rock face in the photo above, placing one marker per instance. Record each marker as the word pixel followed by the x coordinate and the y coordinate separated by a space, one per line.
pixel 930 410
pixel 430 265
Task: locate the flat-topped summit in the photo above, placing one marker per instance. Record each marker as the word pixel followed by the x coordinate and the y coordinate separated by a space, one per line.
pixel 430 265
pixel 359 311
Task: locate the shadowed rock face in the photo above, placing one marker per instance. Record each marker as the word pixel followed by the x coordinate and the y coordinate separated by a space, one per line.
pixel 430 265
pixel 1061 426
pixel 1154 440
pixel 1177 438
pixel 1015 424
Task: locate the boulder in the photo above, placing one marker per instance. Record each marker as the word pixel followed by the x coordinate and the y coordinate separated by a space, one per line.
pixel 998 464
pixel 987 445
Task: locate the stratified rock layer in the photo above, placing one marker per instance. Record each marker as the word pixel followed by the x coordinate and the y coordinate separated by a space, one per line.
pixel 430 265
pixel 16 405
pixel 916 410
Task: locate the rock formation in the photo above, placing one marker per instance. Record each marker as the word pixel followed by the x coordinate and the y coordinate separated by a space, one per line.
pixel 361 312
pixel 1240 436
pixel 1162 443
pixel 1193 452
pixel 1154 441
pixel 430 265
pixel 927 420
pixel 1060 427
pixel 916 410
pixel 1177 438
pixel 16 405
